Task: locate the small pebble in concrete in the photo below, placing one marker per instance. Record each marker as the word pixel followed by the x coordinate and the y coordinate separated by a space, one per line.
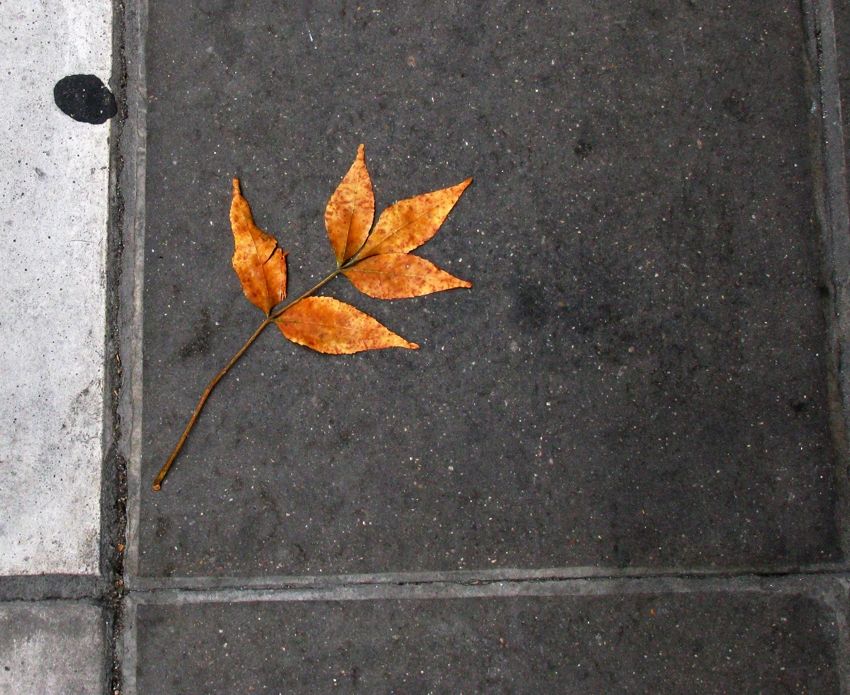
pixel 85 98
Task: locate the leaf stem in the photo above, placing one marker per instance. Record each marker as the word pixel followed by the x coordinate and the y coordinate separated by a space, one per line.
pixel 315 288
pixel 157 483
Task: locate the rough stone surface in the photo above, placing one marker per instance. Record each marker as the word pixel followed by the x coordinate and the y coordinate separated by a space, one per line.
pixel 842 40
pixel 53 198
pixel 51 647
pixel 637 644
pixel 637 377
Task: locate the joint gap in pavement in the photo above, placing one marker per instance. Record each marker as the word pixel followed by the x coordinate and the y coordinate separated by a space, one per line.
pixel 802 583
pixel 469 577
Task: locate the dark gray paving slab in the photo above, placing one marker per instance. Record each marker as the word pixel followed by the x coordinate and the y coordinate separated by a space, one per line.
pixel 638 376
pixel 706 643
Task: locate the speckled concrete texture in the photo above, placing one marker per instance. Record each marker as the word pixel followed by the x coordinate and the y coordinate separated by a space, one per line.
pixel 638 377
pixel 54 202
pixel 52 648
pixel 842 36
pixel 618 464
pixel 703 643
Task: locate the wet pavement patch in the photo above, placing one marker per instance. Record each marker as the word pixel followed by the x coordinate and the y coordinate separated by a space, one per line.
pixel 85 98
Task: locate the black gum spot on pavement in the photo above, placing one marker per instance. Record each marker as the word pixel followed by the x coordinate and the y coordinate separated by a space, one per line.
pixel 85 98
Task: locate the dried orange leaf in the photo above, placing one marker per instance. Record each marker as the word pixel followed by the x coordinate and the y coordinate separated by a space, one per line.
pixel 400 275
pixel 411 222
pixel 350 211
pixel 257 259
pixel 328 325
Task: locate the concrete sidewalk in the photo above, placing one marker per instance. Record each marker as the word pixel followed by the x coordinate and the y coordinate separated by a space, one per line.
pixel 52 325
pixel 618 464
pixel 55 197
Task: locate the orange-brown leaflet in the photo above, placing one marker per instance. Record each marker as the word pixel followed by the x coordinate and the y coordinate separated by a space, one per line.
pixel 350 210
pixel 258 261
pixel 411 222
pixel 328 325
pixel 400 275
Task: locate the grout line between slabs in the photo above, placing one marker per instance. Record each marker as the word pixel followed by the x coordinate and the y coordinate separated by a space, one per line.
pixel 815 586
pixel 61 587
pixel 134 150
pixel 831 204
pixel 114 475
pixel 829 175
pixel 128 648
pixel 130 17
pixel 141 584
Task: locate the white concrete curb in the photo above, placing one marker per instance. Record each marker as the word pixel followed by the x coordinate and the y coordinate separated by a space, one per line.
pixel 53 224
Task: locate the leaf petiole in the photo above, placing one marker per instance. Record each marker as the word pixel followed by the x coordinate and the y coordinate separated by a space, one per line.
pixel 315 288
pixel 157 483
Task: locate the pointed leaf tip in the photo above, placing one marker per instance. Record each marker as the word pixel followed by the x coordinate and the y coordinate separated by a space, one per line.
pixel 328 325
pixel 350 210
pixel 258 261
